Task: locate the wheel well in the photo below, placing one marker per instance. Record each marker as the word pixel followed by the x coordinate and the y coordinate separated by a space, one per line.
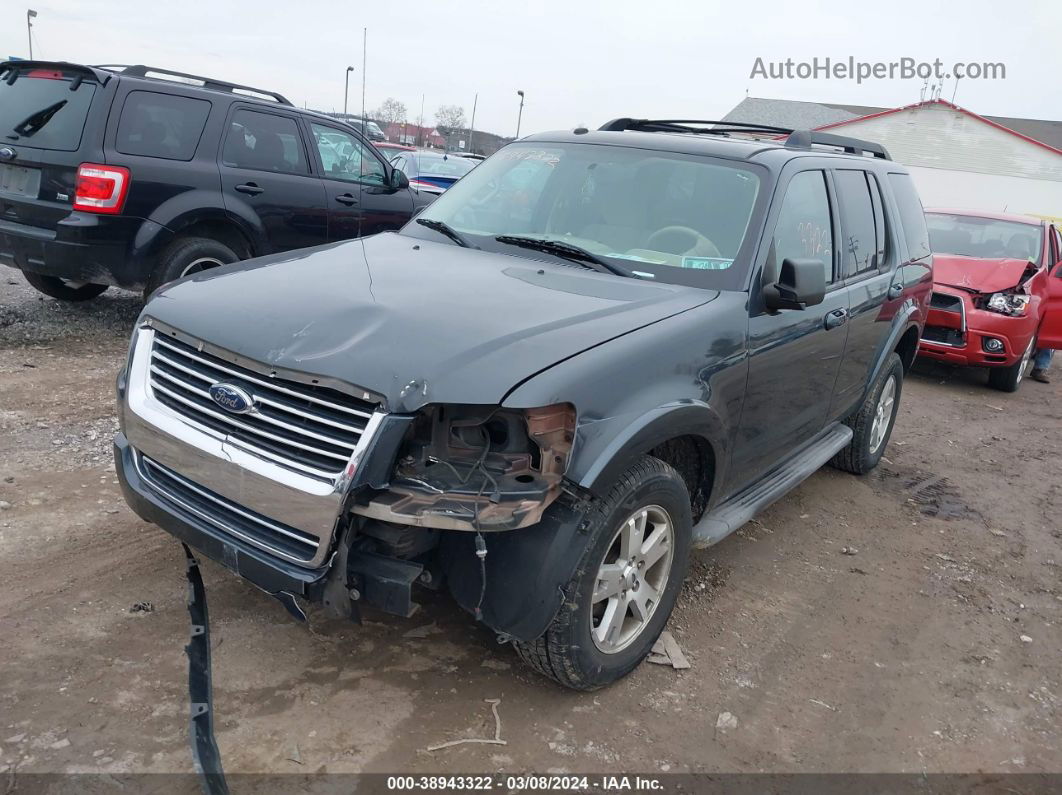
pixel 693 458
pixel 221 231
pixel 907 347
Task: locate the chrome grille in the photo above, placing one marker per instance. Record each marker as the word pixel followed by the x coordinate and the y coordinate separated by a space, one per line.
pixel 226 515
pixel 308 428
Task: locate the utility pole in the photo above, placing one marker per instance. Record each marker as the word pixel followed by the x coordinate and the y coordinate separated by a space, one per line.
pixel 520 115
pixel 30 14
pixel 472 125
pixel 420 123
pixel 346 88
pixel 364 61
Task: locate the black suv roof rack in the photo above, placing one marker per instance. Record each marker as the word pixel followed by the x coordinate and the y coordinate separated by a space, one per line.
pixel 796 139
pixel 140 70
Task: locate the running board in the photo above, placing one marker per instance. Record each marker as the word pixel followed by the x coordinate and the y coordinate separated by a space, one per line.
pixel 726 518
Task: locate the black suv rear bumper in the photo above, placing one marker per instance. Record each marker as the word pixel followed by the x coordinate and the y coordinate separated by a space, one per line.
pixel 268 573
pixel 94 249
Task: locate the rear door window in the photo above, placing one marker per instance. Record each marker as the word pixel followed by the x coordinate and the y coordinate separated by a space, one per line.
pixel 912 216
pixel 859 249
pixel 264 142
pixel 161 125
pixel 44 108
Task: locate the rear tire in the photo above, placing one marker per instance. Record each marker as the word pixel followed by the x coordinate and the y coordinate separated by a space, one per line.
pixel 63 289
pixel 872 424
pixel 1008 379
pixel 185 256
pixel 582 648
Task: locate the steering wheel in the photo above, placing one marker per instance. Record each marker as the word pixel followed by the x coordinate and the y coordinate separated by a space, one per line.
pixel 682 240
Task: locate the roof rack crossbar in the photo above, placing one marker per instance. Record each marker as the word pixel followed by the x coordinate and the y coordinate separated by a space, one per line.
pixel 795 139
pixel 141 70
pixel 805 139
pixel 683 125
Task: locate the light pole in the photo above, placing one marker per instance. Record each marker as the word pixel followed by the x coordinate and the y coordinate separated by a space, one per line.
pixel 346 88
pixel 520 115
pixel 30 14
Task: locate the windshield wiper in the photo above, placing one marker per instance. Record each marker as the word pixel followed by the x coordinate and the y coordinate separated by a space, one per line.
pixel 444 228
pixel 568 251
pixel 31 124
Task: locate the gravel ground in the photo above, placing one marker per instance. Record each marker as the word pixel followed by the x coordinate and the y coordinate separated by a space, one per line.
pixel 905 621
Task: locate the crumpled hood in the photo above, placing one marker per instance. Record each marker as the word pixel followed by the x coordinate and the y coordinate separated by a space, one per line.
pixel 980 275
pixel 413 321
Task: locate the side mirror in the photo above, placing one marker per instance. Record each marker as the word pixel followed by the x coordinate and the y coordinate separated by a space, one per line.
pixel 399 180
pixel 801 283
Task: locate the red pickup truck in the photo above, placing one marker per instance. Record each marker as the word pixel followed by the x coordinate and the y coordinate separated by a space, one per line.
pixel 997 292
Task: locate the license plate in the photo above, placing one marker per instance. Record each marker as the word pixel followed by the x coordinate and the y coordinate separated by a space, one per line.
pixel 20 181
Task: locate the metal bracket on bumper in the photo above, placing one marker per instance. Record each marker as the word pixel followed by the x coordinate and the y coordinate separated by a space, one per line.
pixel 205 754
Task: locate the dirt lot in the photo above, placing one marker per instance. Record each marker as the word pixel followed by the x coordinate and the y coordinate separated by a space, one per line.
pixel 936 646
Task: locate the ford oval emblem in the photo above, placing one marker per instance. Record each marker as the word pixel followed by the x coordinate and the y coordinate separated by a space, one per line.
pixel 232 398
pixel 7 153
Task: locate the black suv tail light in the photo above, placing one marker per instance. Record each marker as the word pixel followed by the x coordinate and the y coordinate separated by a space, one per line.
pixel 100 188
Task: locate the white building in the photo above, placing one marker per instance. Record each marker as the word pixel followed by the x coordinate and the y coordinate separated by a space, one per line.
pixel 958 158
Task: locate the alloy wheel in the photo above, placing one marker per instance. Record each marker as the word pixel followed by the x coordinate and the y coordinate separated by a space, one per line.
pixel 631 579
pixel 883 414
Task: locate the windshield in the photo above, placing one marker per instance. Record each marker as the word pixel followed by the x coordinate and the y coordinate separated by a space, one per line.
pixel 985 238
pixel 444 166
pixel 41 111
pixel 673 217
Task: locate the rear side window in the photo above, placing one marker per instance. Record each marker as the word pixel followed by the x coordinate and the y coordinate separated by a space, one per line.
pixel 44 108
pixel 264 142
pixel 804 229
pixel 161 125
pixel 859 250
pixel 912 216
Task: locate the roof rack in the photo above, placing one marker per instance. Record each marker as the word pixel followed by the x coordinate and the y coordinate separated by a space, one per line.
pixel 683 125
pixel 140 70
pixel 805 139
pixel 795 139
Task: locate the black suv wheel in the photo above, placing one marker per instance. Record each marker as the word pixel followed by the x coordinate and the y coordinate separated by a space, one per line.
pixel 624 588
pixel 872 424
pixel 188 255
pixel 63 289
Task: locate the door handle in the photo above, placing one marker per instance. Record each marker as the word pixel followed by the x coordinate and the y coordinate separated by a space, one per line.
pixel 837 317
pixel 250 189
pixel 347 199
pixel 895 290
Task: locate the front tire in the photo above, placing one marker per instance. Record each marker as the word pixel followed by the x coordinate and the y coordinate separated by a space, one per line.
pixel 1008 379
pixel 63 289
pixel 872 424
pixel 623 591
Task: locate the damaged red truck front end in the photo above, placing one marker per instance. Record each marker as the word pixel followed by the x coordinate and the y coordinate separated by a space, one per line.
pixel 990 289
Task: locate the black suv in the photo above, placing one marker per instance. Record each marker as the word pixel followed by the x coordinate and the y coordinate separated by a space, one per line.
pixel 134 176
pixel 596 351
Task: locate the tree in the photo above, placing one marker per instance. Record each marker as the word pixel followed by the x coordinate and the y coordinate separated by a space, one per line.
pixel 450 116
pixel 391 111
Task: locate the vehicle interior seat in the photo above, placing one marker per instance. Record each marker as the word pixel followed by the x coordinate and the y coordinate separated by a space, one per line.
pixel 1021 246
pixel 950 241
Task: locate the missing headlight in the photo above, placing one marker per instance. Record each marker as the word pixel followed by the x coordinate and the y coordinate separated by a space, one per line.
pixel 477 468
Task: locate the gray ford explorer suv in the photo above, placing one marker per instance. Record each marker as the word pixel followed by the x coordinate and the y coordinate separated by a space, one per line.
pixel 596 351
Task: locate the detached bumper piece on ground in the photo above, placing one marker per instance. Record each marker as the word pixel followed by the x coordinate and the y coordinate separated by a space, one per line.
pixel 205 752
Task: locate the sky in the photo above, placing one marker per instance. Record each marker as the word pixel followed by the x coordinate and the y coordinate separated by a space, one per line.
pixel 579 62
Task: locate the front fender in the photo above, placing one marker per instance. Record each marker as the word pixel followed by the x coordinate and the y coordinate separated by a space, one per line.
pixel 606 448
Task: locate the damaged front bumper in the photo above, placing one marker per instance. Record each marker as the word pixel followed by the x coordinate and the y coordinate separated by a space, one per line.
pixel 959 332
pixel 268 572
